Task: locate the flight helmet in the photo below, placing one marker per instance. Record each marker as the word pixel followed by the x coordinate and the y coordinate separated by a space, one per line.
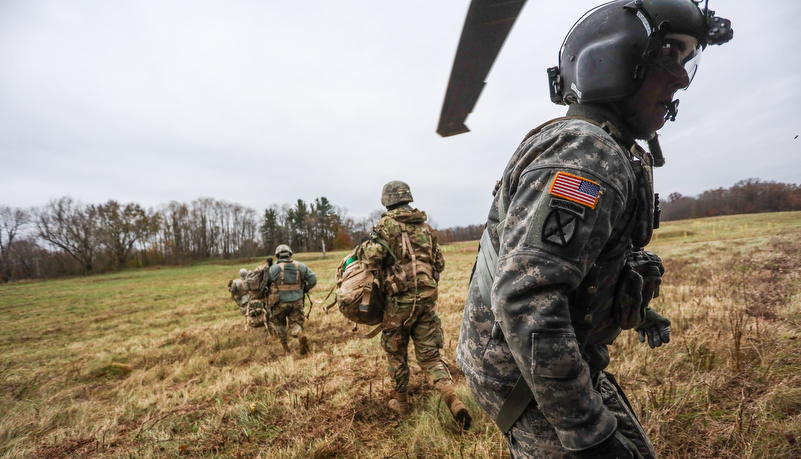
pixel 607 54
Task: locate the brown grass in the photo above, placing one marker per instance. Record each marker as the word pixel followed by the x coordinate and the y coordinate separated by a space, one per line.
pixel 158 363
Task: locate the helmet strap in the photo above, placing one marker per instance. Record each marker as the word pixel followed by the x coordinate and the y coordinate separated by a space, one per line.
pixel 656 151
pixel 398 204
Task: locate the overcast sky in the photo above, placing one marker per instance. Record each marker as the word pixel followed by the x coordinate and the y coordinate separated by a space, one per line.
pixel 262 102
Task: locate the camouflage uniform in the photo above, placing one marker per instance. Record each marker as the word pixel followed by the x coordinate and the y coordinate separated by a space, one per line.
pixel 290 313
pixel 411 314
pixel 553 297
pixel 289 308
pixel 249 298
pixel 240 294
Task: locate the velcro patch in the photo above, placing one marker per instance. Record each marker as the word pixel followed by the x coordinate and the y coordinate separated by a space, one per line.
pixel 576 189
pixel 567 206
pixel 559 227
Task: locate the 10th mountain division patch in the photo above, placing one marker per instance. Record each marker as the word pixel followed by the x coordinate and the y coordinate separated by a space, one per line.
pixel 576 193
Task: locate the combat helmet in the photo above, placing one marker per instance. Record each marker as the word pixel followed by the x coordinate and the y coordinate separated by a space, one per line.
pixel 396 192
pixel 606 55
pixel 283 251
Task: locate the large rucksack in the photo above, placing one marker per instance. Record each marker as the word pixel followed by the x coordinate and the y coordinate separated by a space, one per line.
pixel 248 294
pixel 257 314
pixel 358 295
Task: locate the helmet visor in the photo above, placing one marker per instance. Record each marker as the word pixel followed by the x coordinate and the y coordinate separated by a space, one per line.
pixel 680 55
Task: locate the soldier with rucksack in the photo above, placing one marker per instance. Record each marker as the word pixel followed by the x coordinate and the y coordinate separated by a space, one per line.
pixel 247 293
pixel 404 253
pixel 286 283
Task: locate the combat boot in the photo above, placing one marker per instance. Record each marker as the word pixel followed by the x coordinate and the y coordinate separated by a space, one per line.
pixel 304 345
pixel 285 346
pixel 458 410
pixel 400 404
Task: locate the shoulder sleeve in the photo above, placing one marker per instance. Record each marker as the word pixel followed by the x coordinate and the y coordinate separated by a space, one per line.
pixel 309 277
pixel 439 260
pixel 561 212
pixel 272 273
pixel 374 251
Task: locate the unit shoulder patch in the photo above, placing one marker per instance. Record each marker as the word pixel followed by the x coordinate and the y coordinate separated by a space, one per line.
pixel 575 189
pixel 559 227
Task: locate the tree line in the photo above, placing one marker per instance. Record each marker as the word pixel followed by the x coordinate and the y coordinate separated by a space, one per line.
pixel 744 197
pixel 66 237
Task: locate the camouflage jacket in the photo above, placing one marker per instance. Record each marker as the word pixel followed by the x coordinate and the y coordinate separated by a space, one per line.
pixel 239 292
pixel 570 193
pixel 297 278
pixel 423 240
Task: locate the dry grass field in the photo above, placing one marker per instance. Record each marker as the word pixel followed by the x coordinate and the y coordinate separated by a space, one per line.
pixel 158 363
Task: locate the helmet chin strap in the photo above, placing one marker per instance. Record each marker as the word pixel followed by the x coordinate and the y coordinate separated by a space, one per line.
pixel 672 110
pixel 656 151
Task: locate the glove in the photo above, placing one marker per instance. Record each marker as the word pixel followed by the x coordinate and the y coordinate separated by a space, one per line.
pixel 615 447
pixel 656 327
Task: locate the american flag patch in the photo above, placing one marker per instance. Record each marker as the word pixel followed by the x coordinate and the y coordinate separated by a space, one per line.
pixel 576 189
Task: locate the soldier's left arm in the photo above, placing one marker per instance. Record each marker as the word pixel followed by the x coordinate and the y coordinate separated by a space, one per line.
pixel 309 277
pixel 439 260
pixel 373 251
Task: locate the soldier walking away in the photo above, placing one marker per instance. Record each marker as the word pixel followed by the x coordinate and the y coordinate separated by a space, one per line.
pixel 239 291
pixel 247 293
pixel 561 268
pixel 287 283
pixel 405 247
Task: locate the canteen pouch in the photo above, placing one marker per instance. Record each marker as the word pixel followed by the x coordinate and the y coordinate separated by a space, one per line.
pixel 639 283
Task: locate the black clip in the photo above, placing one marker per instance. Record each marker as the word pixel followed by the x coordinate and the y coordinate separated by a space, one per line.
pixel 672 110
pixel 555 85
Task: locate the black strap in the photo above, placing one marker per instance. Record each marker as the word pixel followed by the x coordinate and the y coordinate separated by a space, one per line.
pixel 514 405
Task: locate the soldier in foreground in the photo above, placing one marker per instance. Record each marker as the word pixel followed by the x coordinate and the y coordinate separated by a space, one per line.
pixel 561 268
pixel 287 282
pixel 405 247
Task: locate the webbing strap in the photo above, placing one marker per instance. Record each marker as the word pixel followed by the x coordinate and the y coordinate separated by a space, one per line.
pixel 373 332
pixel 406 242
pixel 328 306
pixel 514 405
pixel 384 244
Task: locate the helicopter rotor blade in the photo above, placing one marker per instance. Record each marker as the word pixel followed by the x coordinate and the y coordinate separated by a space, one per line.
pixel 485 29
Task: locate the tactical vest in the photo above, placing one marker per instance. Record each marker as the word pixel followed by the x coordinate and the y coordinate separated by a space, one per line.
pixel 281 286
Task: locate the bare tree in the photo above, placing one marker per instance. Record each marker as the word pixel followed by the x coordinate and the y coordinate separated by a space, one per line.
pixel 71 227
pixel 11 221
pixel 120 228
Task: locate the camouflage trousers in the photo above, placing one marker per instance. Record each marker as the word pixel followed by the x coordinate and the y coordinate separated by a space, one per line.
pixel 288 313
pixel 425 329
pixel 532 436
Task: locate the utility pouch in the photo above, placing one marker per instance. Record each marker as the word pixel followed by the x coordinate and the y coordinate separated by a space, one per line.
pixel 395 280
pixel 272 296
pixel 256 314
pixel 639 283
